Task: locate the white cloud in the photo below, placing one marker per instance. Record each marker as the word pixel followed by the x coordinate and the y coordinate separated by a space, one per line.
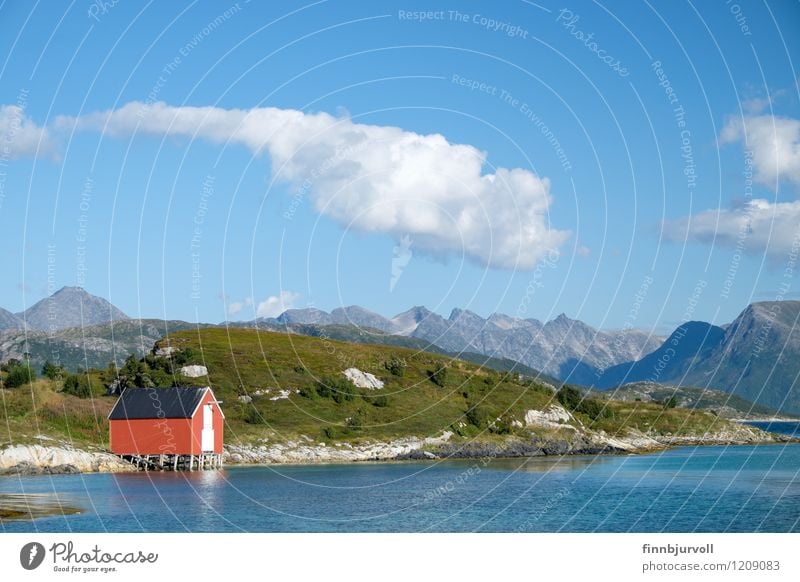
pixel 20 136
pixel 774 141
pixel 374 178
pixel 237 306
pixel 274 305
pixel 757 227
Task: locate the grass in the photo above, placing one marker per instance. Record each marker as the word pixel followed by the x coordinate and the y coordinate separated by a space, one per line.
pixel 40 409
pixel 649 417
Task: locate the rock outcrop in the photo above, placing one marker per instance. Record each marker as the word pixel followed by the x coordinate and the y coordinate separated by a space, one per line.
pixel 306 451
pixel 194 371
pixel 553 417
pixel 39 459
pixel 363 379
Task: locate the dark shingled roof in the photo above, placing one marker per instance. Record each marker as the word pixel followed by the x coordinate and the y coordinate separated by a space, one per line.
pixel 137 403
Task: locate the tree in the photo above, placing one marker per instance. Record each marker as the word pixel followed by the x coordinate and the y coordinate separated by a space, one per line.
pixel 574 400
pixel 19 375
pixel 8 364
pixel 52 371
pixel 134 372
pixel 672 402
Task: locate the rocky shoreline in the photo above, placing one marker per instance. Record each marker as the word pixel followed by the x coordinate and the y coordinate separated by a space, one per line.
pixel 64 459
pixel 58 459
pixel 445 446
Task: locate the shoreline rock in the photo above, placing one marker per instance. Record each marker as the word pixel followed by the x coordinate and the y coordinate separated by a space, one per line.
pixel 57 459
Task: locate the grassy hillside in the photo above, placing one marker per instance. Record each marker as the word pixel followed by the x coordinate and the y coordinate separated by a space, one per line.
pixel 288 387
pixel 716 401
pixel 361 335
pixel 472 401
pixel 41 409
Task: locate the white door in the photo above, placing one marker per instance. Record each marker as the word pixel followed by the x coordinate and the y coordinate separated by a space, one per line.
pixel 207 436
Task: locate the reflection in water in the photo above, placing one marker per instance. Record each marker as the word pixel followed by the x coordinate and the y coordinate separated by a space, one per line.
pixel 33 505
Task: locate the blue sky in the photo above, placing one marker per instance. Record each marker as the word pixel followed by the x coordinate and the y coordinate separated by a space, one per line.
pixel 628 165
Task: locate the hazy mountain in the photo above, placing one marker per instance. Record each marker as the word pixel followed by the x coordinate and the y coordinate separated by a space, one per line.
pixel 9 321
pixel 564 348
pixel 688 345
pixel 309 315
pixel 93 346
pixel 757 357
pixel 556 347
pixel 70 307
pixel 360 317
pixel 405 323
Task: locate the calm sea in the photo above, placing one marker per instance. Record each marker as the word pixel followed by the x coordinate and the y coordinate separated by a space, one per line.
pixel 707 489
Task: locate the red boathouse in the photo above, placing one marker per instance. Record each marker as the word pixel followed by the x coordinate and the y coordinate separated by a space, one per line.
pixel 161 428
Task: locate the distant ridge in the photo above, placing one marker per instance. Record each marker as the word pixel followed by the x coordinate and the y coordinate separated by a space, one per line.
pixel 555 347
pixel 9 321
pixel 757 357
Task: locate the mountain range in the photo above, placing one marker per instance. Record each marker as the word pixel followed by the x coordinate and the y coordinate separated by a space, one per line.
pixel 756 357
pixel 556 347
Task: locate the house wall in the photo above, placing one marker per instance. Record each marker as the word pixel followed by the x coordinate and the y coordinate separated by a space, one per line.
pixel 165 436
pixel 152 436
pixel 218 422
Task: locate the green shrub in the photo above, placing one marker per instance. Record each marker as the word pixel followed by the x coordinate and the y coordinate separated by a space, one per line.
pixel 502 425
pixel 340 389
pixel 77 386
pixel 380 401
pixel 672 402
pixel 477 416
pixel 573 399
pixel 356 421
pixel 253 416
pixel 395 366
pixel 438 376
pixel 183 356
pixel 309 392
pixel 344 391
pixel 330 432
pixel 8 364
pixel 19 375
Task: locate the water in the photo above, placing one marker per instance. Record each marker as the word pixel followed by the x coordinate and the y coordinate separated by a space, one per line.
pixel 790 427
pixel 707 489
